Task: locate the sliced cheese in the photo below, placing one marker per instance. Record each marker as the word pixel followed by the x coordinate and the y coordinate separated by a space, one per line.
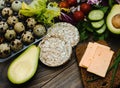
pixel 89 53
pixel 101 61
pixel 89 57
pixel 86 54
pixel 104 46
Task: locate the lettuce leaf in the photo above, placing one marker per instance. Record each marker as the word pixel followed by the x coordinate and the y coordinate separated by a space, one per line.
pixel 42 11
pixel 34 8
pixel 49 14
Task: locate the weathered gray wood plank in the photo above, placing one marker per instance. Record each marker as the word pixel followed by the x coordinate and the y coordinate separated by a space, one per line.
pixel 43 75
pixel 69 78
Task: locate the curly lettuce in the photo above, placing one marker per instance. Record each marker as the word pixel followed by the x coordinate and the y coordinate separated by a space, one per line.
pixel 43 12
pixel 52 11
pixel 34 8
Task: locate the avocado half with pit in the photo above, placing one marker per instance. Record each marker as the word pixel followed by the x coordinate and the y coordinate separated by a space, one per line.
pixel 113 19
pixel 24 66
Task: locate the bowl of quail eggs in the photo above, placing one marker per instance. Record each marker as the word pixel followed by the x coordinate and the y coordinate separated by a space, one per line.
pixel 17 32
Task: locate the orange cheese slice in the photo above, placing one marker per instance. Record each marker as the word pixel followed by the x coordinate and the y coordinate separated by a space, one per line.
pixel 101 61
pixel 86 55
pixel 89 53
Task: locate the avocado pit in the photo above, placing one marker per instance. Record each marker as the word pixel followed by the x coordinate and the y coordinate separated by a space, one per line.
pixel 116 21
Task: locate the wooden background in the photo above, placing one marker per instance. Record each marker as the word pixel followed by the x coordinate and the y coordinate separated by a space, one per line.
pixel 66 76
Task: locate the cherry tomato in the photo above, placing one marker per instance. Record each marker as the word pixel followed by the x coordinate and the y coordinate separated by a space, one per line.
pixel 85 7
pixel 63 4
pixel 78 15
pixel 72 2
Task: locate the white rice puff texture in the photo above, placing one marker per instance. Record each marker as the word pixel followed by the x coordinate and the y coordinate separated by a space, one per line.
pixel 65 31
pixel 54 51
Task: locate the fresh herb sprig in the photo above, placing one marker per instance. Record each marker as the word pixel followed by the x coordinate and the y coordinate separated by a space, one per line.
pixel 84 29
pixel 114 67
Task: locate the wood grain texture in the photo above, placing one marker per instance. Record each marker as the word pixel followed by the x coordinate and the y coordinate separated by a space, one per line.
pixel 100 82
pixel 69 78
pixel 66 76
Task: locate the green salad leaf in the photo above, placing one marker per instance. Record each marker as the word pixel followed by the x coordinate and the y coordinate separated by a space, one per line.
pixel 34 8
pixel 52 11
pixel 42 10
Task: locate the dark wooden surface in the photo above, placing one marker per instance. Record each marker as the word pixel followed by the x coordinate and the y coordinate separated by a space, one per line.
pixel 66 76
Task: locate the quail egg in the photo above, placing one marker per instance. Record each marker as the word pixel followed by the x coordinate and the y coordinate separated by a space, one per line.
pixel 2 4
pixel 16 45
pixel 16 5
pixel 7 11
pixel 4 50
pixel 12 20
pixel 3 27
pixel 10 35
pixel 39 30
pixel 27 37
pixel 19 27
pixel 31 22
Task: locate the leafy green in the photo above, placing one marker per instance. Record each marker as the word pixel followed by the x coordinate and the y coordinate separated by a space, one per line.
pixel 48 15
pixel 102 36
pixel 44 12
pixel 82 30
pixel 111 2
pixel 103 8
pixel 34 8
pixel 114 67
pixel 86 30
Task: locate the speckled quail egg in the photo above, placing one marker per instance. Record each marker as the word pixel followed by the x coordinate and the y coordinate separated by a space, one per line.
pixel 2 4
pixel 27 37
pixel 19 27
pixel 10 35
pixel 4 50
pixel 7 11
pixel 31 22
pixel 12 20
pixel 21 16
pixel 39 30
pixel 16 45
pixel 16 5
pixel 3 27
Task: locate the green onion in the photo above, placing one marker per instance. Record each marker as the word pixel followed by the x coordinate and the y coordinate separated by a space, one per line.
pixel 114 67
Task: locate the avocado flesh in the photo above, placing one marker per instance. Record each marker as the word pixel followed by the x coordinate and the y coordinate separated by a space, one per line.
pixel 24 66
pixel 114 11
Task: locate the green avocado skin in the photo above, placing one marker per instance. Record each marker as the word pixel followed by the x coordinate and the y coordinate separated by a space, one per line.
pixel 114 11
pixel 24 66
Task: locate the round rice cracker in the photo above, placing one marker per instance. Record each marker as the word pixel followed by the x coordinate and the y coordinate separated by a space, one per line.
pixel 65 31
pixel 54 51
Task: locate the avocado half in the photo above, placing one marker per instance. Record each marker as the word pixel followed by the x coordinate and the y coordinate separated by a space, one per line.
pixel 24 66
pixel 114 11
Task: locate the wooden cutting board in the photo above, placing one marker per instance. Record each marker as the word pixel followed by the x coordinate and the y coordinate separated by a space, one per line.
pixel 86 76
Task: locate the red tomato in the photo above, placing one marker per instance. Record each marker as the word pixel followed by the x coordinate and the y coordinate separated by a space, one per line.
pixel 72 2
pixel 78 15
pixel 85 7
pixel 63 4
